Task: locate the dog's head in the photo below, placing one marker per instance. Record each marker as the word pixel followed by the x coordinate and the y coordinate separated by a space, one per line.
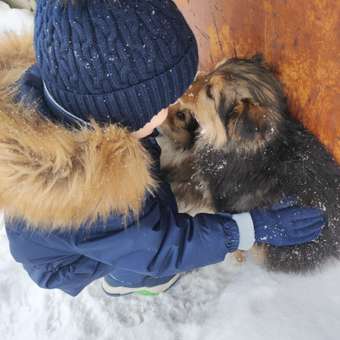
pixel 181 125
pixel 239 105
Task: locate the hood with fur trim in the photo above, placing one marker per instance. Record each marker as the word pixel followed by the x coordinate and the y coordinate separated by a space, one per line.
pixel 57 178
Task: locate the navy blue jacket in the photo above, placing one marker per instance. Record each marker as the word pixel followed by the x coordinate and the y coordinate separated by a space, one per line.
pixel 160 242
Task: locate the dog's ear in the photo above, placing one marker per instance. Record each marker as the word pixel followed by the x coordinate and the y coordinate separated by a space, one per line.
pixel 258 59
pixel 252 118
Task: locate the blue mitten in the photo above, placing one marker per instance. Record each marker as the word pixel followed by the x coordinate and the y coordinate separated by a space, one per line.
pixel 287 226
pixel 283 226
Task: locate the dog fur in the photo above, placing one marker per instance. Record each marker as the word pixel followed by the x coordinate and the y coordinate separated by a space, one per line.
pixel 54 177
pixel 248 152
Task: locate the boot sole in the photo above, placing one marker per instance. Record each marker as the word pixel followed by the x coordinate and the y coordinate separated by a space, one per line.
pixel 144 291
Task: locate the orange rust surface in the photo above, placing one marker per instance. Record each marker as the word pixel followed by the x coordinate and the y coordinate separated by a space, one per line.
pixel 300 38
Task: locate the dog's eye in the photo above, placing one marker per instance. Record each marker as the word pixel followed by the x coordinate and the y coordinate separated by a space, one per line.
pixel 231 109
pixel 180 115
pixel 209 92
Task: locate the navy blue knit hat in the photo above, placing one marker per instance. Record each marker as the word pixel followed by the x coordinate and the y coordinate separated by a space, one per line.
pixel 115 61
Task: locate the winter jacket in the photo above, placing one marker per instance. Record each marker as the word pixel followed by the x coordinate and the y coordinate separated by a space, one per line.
pixel 82 203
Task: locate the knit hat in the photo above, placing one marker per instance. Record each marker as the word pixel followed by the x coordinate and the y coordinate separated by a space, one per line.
pixel 114 61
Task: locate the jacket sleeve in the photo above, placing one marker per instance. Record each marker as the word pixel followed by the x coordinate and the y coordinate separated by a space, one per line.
pixel 50 261
pixel 163 242
pixel 160 243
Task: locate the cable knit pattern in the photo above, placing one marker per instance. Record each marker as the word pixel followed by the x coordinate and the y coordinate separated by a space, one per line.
pixel 114 60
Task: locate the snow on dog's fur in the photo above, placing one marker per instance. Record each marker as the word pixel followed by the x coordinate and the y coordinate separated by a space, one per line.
pixel 235 148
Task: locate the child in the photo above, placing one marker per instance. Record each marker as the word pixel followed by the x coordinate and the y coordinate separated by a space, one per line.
pixel 80 179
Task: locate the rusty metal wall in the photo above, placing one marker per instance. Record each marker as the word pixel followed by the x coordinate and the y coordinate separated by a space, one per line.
pixel 300 38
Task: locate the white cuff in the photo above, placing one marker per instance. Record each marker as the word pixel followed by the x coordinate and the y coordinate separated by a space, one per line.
pixel 246 229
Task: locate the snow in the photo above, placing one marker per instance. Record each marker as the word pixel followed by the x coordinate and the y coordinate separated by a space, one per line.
pixel 225 301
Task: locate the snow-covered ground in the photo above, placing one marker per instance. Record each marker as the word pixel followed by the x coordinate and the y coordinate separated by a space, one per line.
pixel 225 301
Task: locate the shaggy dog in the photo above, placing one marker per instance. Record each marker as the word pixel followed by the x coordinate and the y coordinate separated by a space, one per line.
pixel 230 145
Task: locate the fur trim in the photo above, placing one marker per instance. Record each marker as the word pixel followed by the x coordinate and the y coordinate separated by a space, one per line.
pixel 57 178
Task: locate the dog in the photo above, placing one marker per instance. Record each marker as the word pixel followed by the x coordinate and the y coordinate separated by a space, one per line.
pixel 230 145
